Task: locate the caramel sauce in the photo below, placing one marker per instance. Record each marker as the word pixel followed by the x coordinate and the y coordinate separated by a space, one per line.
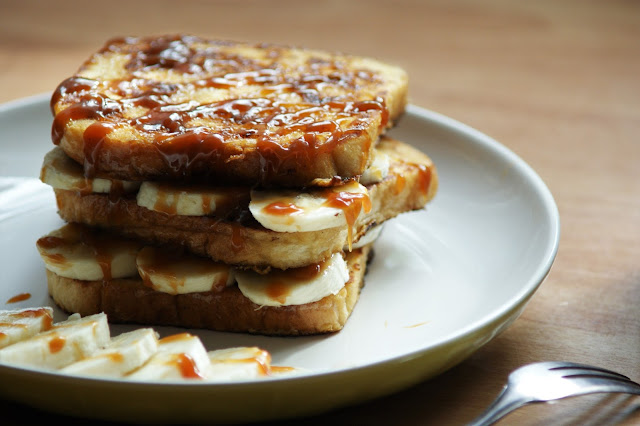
pixel 73 233
pixel 56 344
pixel 47 321
pixel 174 337
pixel 94 136
pixel 278 291
pixel 261 361
pixel 184 362
pixel 19 298
pixel 237 238
pixel 58 259
pixel 278 288
pixel 306 273
pixel 187 366
pixel 401 181
pixel 280 208
pixel 424 178
pixel 206 202
pixel 12 324
pixel 281 369
pixel 116 190
pixel 222 202
pixel 188 148
pixel 351 204
pixel 168 263
pixel 115 357
pixel 163 205
pixel 50 242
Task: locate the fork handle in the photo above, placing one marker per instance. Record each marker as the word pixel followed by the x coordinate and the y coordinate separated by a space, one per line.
pixel 504 403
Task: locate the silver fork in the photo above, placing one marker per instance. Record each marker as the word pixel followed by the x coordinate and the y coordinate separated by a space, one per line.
pixel 548 381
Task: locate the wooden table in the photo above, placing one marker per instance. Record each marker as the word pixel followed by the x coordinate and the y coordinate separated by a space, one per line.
pixel 558 82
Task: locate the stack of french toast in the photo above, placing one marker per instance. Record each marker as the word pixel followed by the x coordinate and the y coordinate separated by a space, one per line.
pixel 222 185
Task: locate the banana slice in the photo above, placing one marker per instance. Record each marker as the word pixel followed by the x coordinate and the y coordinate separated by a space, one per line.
pixel 66 342
pixel 78 252
pixel 179 356
pixel 178 274
pixel 189 200
pixel 123 354
pixel 61 172
pixel 294 211
pixel 368 238
pixel 296 286
pixel 241 363
pixel 23 324
pixel 378 170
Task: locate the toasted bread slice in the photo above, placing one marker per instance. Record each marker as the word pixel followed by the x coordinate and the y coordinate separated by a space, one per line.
pixel 130 301
pixel 182 107
pixel 411 183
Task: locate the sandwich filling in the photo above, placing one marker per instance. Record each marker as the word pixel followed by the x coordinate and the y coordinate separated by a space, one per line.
pixel 281 210
pixel 223 185
pixel 82 253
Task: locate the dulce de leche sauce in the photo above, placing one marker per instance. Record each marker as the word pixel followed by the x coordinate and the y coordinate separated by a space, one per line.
pixel 289 113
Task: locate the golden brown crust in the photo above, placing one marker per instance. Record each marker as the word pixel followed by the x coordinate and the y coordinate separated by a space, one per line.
pixel 129 301
pixel 183 107
pixel 409 186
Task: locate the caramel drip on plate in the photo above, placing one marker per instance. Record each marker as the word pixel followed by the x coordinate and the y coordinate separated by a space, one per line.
pixel 19 298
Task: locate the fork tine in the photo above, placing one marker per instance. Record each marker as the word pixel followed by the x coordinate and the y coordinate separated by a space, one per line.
pixel 588 370
pixel 596 384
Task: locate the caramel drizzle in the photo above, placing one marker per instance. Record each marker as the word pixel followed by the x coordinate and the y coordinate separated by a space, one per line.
pixel 265 117
pixel 19 298
pixel 183 361
pixel 47 319
pixel 351 203
pixel 97 243
pixel 279 288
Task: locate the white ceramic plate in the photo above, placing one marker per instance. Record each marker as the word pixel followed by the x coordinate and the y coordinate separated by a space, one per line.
pixel 444 282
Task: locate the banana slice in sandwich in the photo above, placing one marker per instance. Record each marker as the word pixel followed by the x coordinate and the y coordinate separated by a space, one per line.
pixel 175 273
pixel 61 172
pixel 293 211
pixel 296 286
pixel 368 238
pixel 192 200
pixel 66 342
pixel 378 170
pixel 77 252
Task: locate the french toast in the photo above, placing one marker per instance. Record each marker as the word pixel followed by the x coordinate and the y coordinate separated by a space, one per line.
pixel 187 108
pixel 224 185
pixel 239 239
pixel 129 300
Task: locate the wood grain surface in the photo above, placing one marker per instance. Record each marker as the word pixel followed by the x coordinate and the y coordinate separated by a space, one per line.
pixel 557 82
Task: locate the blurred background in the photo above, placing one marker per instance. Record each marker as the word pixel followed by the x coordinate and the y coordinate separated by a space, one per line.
pixel 496 64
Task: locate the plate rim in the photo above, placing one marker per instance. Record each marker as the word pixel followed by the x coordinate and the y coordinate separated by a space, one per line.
pixel 497 320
